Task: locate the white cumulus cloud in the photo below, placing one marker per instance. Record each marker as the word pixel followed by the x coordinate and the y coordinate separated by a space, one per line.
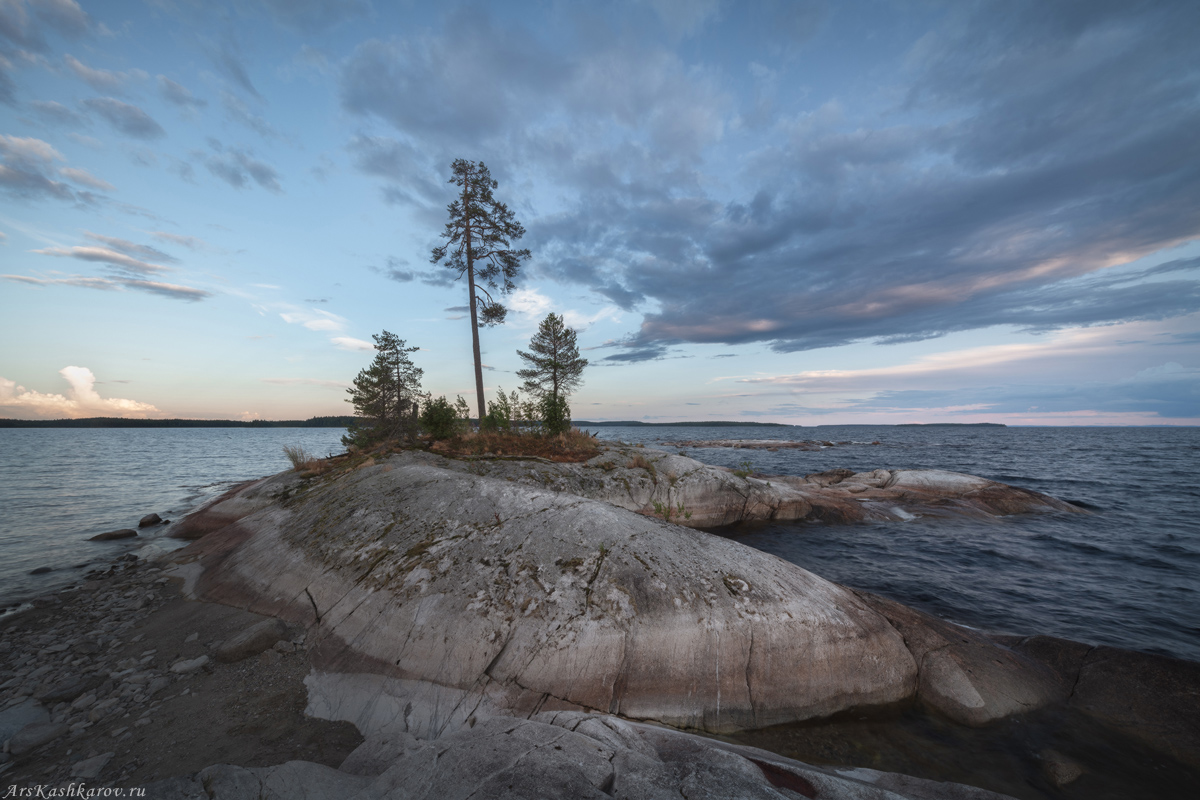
pixel 81 399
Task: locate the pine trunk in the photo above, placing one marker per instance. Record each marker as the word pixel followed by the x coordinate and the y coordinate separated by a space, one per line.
pixel 474 313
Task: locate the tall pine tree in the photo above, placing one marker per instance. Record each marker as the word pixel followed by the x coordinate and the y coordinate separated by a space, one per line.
pixel 478 244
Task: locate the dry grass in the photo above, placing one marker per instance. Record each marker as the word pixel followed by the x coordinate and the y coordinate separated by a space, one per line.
pixel 302 461
pixel 639 461
pixel 572 446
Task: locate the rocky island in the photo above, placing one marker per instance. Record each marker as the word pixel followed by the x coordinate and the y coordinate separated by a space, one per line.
pixel 417 624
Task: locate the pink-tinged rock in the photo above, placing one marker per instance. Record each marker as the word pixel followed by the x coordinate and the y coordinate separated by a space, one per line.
pixel 454 595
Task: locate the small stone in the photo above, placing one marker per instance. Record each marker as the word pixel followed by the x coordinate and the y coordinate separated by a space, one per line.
pixel 148 520
pixel 1059 769
pixel 188 667
pixel 285 647
pixel 253 640
pixel 141 722
pixel 269 657
pixel 90 767
pixel 192 638
pixel 118 731
pixel 83 702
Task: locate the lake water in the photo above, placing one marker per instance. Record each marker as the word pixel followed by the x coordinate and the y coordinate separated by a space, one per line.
pixel 1128 574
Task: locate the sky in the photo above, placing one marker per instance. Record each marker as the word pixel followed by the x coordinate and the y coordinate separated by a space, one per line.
pixel 806 212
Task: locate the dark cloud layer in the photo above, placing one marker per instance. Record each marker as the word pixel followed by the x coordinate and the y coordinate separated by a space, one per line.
pixel 1032 146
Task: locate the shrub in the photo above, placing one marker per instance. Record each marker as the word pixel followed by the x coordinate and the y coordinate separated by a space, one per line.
pixel 441 420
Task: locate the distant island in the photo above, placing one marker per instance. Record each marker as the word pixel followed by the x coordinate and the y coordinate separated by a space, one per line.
pixel 118 422
pixel 951 425
pixel 706 424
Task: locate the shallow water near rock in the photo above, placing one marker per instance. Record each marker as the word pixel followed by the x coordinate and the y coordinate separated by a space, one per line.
pixel 1126 575
pixel 1008 757
pixel 59 486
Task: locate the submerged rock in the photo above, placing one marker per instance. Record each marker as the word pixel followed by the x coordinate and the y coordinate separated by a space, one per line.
pixel 124 533
pixel 964 674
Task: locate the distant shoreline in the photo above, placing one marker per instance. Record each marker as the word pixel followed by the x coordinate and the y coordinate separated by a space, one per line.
pixel 346 422
pixel 118 422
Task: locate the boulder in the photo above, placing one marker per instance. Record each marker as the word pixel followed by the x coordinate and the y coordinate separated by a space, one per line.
pixel 252 641
pixel 124 533
pixel 34 735
pixel 965 675
pixel 148 520
pixel 90 768
pixel 40 571
pixel 189 666
pixel 66 690
pixel 439 596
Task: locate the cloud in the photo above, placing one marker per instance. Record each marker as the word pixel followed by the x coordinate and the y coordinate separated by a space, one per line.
pixel 179 94
pixel 57 114
pixel 348 343
pixel 85 178
pixel 26 169
pixel 394 270
pixel 118 283
pixel 131 248
pixel 102 80
pixel 20 27
pixel 239 112
pixel 190 242
pixel 81 400
pixel 462 86
pixel 104 255
pixel 315 320
pixel 529 302
pixel 316 16
pixel 238 167
pixel 226 54
pixel 125 118
pixel 306 382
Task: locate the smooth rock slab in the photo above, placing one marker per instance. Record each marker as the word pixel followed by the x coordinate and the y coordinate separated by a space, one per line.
pixel 485 592
pixel 561 755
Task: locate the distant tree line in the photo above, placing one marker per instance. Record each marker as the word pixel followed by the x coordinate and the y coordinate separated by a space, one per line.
pixel 119 422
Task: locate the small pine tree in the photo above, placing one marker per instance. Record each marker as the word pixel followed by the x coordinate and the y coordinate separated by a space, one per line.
pixel 385 395
pixel 555 371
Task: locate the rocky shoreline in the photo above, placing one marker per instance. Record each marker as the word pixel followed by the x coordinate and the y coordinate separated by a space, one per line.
pixel 539 626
